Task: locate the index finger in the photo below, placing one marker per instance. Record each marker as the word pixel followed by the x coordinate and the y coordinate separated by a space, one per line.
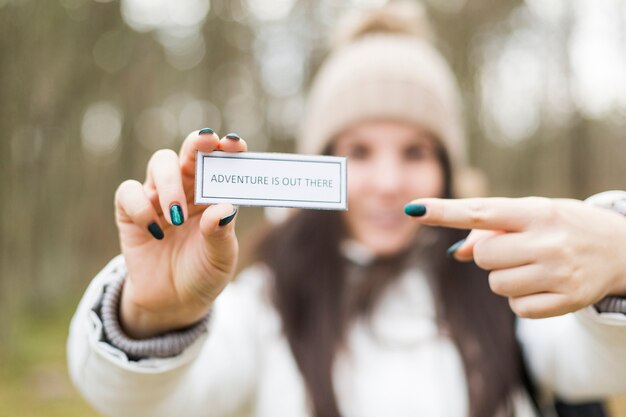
pixel 507 214
pixel 205 140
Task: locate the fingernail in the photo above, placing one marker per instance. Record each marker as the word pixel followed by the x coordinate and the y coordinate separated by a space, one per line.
pixel 415 210
pixel 452 249
pixel 155 231
pixel 206 131
pixel 233 136
pixel 225 220
pixel 176 214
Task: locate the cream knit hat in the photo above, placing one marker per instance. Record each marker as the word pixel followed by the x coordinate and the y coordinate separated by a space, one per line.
pixel 386 68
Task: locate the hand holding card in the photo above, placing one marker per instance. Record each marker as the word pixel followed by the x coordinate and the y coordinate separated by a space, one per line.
pixel 179 256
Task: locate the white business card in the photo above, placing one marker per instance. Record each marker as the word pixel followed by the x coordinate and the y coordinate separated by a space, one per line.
pixel 272 179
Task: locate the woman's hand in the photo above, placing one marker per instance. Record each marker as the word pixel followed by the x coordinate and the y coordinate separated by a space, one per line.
pixel 548 256
pixel 173 280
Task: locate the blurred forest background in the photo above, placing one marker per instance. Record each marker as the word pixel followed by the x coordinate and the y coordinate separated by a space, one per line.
pixel 89 89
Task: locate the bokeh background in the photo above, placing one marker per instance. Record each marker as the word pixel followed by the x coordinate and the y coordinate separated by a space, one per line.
pixel 89 89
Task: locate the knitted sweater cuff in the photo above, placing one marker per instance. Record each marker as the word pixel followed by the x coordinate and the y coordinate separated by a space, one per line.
pixel 166 345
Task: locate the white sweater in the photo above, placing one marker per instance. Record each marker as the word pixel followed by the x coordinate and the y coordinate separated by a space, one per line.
pixel 397 364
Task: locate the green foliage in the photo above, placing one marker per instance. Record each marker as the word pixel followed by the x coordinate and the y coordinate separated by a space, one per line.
pixel 34 380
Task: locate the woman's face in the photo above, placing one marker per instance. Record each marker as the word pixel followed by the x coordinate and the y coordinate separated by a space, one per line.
pixel 390 164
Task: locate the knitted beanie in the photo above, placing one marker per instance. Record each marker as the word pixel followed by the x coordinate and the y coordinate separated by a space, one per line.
pixel 385 68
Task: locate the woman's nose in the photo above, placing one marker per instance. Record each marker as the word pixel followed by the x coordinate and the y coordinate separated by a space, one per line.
pixel 387 176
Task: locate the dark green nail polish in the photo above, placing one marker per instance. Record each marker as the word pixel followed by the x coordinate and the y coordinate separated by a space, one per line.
pixel 452 249
pixel 225 220
pixel 233 136
pixel 176 214
pixel 415 210
pixel 206 131
pixel 155 231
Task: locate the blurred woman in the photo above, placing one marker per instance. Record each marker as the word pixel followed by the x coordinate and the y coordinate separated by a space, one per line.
pixel 356 313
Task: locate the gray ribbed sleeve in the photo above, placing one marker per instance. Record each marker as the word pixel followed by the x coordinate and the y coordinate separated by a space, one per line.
pixel 166 345
pixel 611 304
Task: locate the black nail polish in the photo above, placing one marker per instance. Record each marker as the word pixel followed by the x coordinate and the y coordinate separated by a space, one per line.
pixel 233 136
pixel 225 220
pixel 176 214
pixel 452 249
pixel 156 231
pixel 206 131
pixel 415 210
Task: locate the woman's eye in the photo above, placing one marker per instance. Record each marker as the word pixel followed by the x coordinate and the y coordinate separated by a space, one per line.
pixel 358 152
pixel 415 153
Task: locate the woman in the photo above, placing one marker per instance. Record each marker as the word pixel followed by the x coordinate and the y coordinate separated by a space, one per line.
pixel 355 313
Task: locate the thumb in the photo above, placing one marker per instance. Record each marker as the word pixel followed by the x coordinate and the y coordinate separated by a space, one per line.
pixel 463 250
pixel 218 229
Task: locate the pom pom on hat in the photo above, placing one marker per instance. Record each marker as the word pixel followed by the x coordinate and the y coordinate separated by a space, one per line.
pixel 401 17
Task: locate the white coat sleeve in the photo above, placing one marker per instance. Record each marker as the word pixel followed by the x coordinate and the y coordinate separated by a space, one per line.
pixel 577 357
pixel 215 376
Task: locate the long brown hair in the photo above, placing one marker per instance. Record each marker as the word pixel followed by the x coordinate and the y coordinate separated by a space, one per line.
pixel 310 294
